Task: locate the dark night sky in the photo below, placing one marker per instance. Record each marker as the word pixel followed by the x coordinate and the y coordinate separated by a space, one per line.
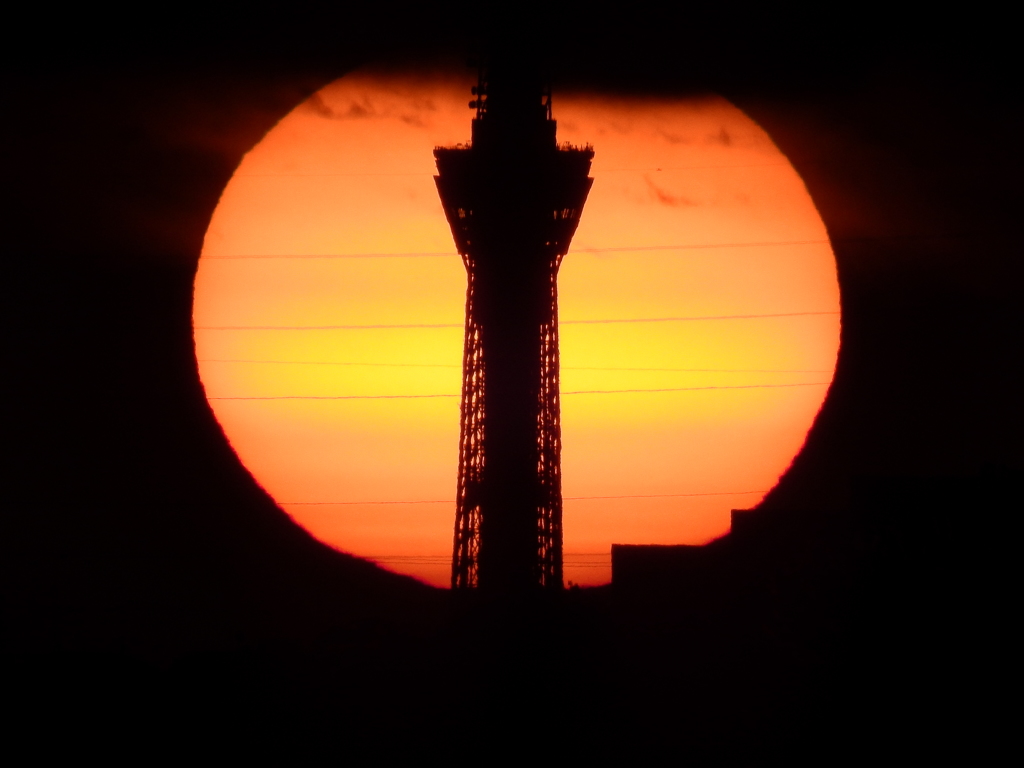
pixel 130 528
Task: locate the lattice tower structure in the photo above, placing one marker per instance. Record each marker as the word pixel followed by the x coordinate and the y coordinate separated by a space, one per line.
pixel 513 198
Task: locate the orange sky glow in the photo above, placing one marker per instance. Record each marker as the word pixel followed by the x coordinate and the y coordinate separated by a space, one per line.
pixel 329 306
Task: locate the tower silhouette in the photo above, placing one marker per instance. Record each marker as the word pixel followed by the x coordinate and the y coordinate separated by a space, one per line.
pixel 513 198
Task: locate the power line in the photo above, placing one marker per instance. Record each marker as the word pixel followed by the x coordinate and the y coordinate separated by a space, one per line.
pixel 564 367
pixel 688 319
pixel 576 392
pixel 564 498
pixel 663 495
pixel 326 175
pixel 575 251
pixel 413 255
pixel 694 370
pixel 372 365
pixel 323 327
pixel 597 171
pixel 334 397
pixel 359 503
pixel 616 249
pixel 461 325
pixel 697 247
pixel 695 389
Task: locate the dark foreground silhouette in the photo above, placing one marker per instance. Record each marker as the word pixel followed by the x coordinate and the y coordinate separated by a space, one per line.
pixel 798 629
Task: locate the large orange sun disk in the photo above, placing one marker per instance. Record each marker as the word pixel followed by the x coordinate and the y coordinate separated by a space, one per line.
pixel 329 304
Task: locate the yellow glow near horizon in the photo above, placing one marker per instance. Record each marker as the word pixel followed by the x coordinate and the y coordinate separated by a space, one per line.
pixel 694 213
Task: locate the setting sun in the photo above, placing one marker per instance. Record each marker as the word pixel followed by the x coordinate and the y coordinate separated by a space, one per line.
pixel 698 304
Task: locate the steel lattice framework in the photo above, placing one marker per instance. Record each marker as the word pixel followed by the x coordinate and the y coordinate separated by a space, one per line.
pixel 549 446
pixel 513 199
pixel 469 496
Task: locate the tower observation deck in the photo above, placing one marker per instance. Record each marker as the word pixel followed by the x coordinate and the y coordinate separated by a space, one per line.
pixel 513 198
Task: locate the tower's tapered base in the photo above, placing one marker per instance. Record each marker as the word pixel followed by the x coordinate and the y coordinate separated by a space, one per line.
pixel 546 481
